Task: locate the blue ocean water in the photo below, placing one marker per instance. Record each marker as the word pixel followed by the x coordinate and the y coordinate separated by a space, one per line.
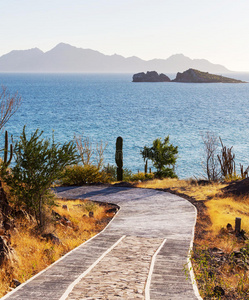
pixel 105 106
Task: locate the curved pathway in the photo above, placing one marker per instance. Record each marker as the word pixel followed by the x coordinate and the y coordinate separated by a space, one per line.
pixel 142 254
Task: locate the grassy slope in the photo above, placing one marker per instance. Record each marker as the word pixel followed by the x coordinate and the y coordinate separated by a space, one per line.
pixel 35 253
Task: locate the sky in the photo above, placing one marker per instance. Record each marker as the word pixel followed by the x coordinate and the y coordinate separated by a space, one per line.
pixel 216 30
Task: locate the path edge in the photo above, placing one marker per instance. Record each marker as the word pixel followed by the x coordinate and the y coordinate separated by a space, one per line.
pixel 82 275
pixel 152 265
pixel 190 266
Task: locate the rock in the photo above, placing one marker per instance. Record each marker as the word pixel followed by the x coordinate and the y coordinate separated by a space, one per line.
pixel 8 225
pixel 112 210
pixel 236 254
pixel 16 283
pixel 91 214
pixel 216 250
pixel 237 188
pixel 152 76
pixel 164 78
pixel 195 76
pixel 65 221
pixel 203 182
pixel 56 215
pixel 65 207
pixel 218 291
pixel 229 227
pixel 51 237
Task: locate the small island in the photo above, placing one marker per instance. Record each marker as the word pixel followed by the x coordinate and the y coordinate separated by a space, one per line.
pixel 195 76
pixel 189 76
pixel 152 76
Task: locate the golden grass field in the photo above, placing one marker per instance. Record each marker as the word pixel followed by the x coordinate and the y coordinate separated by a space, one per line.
pixel 35 253
pixel 215 211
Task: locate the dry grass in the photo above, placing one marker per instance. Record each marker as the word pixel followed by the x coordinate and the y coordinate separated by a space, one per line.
pixel 188 187
pixel 221 210
pixel 215 211
pixel 224 210
pixel 36 253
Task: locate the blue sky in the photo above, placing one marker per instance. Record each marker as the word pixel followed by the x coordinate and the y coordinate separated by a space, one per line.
pixel 214 30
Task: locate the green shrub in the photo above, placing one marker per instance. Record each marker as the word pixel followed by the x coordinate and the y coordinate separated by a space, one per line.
pixel 163 156
pixel 38 163
pixel 111 171
pixel 166 173
pixel 80 175
pixel 142 176
pixel 126 174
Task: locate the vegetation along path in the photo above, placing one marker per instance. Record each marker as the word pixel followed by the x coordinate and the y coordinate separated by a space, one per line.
pixel 142 254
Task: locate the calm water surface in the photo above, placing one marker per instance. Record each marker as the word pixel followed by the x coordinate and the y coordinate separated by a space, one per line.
pixel 104 106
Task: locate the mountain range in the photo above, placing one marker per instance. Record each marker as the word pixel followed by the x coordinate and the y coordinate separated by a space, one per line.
pixel 66 58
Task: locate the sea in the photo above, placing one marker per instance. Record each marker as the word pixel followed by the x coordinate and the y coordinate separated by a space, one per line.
pixel 102 107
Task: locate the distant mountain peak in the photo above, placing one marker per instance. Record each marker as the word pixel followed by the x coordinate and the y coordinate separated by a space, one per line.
pixel 31 50
pixel 178 55
pixel 62 47
pixel 67 58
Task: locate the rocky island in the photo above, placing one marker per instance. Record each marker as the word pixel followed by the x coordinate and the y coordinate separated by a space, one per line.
pixel 152 76
pixel 195 76
pixel 189 76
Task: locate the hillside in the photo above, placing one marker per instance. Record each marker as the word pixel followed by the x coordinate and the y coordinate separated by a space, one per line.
pixel 67 58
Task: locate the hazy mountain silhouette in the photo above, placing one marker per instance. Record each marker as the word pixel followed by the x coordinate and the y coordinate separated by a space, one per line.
pixel 67 58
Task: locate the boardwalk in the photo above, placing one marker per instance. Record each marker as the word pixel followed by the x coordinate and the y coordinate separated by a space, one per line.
pixel 142 253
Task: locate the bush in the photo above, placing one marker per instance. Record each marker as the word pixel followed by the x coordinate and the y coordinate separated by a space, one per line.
pixel 111 171
pixel 126 174
pixel 163 156
pixel 165 173
pixel 80 175
pixel 39 162
pixel 141 177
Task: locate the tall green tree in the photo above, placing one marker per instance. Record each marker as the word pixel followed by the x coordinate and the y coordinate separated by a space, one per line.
pixel 38 163
pixel 163 156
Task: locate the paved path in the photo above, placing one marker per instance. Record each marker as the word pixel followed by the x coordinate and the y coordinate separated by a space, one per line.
pixel 140 255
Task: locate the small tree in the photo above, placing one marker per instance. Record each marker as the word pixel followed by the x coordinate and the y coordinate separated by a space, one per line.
pixel 210 163
pixel 163 156
pixel 88 155
pixel 9 104
pixel 39 162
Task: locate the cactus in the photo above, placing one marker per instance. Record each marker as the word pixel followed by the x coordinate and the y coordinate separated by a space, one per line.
pixel 227 161
pixel 119 158
pixel 146 167
pixel 6 162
